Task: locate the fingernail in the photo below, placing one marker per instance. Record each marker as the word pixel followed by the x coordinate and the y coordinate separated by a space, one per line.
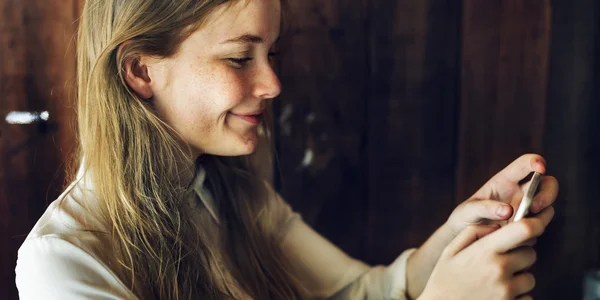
pixel 502 211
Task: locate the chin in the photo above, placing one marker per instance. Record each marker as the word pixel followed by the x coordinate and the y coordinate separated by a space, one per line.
pixel 232 145
pixel 239 147
pixel 248 147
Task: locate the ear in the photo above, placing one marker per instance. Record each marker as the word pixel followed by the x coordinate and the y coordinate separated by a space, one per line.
pixel 135 73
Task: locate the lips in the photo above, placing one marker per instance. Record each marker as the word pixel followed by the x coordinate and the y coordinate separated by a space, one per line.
pixel 253 118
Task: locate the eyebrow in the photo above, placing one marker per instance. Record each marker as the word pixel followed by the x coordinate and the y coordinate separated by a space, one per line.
pixel 245 39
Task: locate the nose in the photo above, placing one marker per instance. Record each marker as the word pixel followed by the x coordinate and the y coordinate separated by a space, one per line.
pixel 267 84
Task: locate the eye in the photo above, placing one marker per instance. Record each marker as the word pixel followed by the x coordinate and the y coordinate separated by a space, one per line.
pixel 239 62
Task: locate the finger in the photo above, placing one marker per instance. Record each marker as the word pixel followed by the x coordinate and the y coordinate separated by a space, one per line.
pixel 546 195
pixel 514 234
pixel 545 216
pixel 527 243
pixel 522 284
pixel 530 242
pixel 520 259
pixel 467 236
pixel 477 210
pixel 523 166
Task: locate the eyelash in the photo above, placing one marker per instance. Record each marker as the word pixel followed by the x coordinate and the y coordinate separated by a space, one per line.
pixel 241 62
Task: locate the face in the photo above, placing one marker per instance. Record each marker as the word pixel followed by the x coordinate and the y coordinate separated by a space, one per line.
pixel 214 90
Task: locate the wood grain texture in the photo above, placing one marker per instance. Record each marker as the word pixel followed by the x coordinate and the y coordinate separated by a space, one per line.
pixel 411 122
pixel 505 52
pixel 571 245
pixel 321 118
pixel 36 74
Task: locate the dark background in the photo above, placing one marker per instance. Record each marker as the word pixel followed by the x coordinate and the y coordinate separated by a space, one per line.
pixel 406 108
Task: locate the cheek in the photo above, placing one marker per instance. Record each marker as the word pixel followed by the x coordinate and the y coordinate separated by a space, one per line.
pixel 204 100
pixel 197 102
pixel 228 88
pixel 210 92
pixel 218 89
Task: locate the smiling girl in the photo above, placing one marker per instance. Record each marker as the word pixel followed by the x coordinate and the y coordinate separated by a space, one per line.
pixel 167 204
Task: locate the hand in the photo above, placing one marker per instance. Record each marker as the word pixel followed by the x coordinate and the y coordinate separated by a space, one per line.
pixel 484 262
pixel 500 197
pixel 502 191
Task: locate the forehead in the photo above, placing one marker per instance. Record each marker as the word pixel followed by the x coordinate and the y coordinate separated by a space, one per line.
pixel 261 18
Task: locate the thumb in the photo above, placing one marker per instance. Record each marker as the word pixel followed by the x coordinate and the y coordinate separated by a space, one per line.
pixel 477 210
pixel 468 236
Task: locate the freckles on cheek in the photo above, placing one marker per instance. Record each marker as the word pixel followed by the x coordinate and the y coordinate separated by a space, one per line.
pixel 231 87
pixel 210 90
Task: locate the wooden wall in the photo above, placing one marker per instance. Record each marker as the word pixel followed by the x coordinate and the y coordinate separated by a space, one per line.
pixel 393 112
pixel 37 73
pixel 409 106
pixel 572 142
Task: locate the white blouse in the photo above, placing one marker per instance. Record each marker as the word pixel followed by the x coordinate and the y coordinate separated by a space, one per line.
pixel 67 255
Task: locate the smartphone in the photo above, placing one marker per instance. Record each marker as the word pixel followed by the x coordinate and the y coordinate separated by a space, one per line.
pixel 523 209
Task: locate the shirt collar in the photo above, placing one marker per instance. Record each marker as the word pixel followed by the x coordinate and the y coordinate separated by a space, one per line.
pixel 198 187
pixel 204 194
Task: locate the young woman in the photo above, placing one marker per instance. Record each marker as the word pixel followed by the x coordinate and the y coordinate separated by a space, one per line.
pixel 167 204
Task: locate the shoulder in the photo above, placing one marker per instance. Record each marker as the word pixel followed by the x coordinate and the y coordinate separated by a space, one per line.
pixel 50 267
pixel 68 253
pixel 75 219
pixel 72 212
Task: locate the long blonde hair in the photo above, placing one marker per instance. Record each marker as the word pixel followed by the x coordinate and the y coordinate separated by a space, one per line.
pixel 135 161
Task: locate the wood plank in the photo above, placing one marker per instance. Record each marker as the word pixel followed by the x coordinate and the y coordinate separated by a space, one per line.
pixel 37 73
pixel 321 119
pixel 571 245
pixel 504 80
pixel 411 122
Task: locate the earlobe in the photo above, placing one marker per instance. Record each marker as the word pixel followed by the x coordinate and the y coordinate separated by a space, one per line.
pixel 136 75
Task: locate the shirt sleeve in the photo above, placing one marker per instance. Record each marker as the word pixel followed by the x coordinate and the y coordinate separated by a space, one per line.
pixel 52 268
pixel 326 272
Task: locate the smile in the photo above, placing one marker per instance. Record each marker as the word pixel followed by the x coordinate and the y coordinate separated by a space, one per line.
pixel 254 118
